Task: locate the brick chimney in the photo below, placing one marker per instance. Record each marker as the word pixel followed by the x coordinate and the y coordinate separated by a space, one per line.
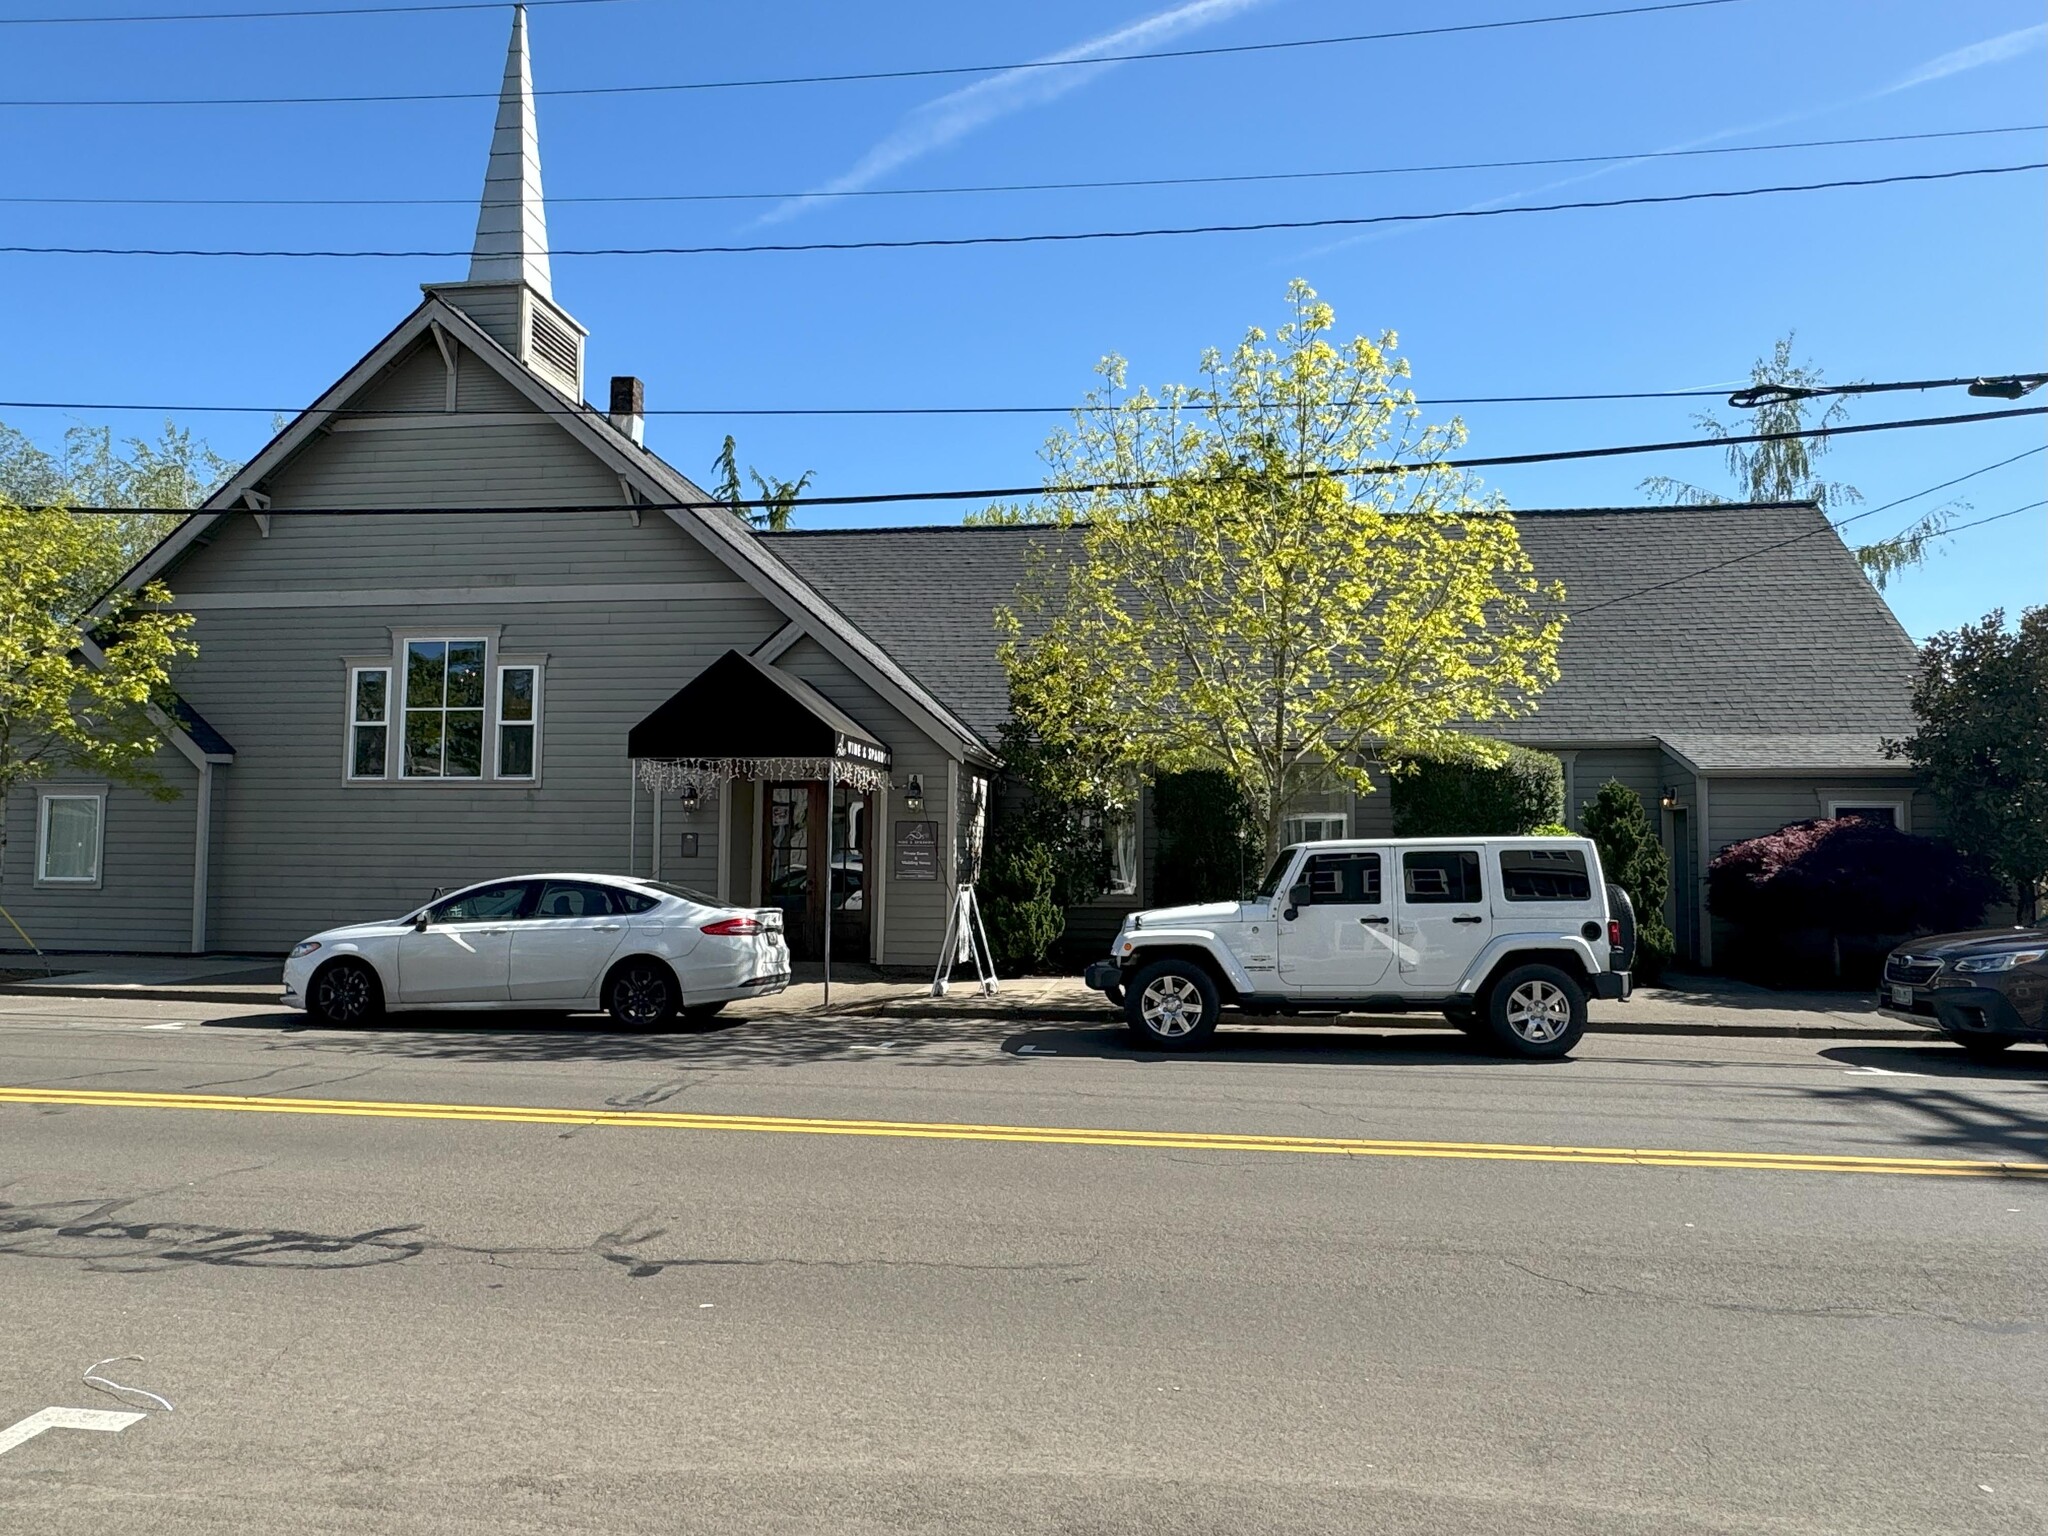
pixel 629 405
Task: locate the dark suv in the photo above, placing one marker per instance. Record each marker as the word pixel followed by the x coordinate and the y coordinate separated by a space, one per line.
pixel 1985 990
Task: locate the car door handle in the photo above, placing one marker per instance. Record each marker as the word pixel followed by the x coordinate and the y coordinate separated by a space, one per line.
pixel 607 927
pixel 1379 921
pixel 1466 917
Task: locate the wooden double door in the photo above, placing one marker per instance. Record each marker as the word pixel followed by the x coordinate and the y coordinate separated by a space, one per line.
pixel 794 876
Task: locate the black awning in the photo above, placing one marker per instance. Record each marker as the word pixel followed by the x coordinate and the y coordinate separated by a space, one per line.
pixel 738 708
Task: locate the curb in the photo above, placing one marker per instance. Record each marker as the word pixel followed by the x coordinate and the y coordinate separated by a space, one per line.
pixel 151 994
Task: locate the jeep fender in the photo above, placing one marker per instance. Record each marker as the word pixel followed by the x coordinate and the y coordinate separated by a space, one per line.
pixel 1137 947
pixel 1498 949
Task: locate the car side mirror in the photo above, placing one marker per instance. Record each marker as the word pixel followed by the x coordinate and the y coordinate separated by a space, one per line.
pixel 419 924
pixel 1298 896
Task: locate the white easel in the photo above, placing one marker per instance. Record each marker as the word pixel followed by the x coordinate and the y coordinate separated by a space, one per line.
pixel 963 929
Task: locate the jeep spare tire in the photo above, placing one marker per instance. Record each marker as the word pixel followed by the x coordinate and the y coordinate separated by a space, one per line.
pixel 1172 1005
pixel 1623 911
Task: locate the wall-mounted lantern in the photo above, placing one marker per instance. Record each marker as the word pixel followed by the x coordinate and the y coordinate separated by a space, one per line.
pixel 913 793
pixel 1670 800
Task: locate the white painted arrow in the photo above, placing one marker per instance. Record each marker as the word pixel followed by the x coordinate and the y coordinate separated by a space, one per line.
pixel 64 1418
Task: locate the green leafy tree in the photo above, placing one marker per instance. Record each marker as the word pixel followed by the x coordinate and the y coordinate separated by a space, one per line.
pixel 77 694
pixel 1207 838
pixel 1981 749
pixel 1634 859
pixel 1241 601
pixel 1046 850
pixel 154 481
pixel 777 498
pixel 1788 468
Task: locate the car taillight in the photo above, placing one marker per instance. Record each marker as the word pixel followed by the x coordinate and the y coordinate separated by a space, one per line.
pixel 1614 933
pixel 733 926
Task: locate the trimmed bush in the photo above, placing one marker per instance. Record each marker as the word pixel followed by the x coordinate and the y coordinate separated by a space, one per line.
pixel 1634 858
pixel 1019 880
pixel 1462 794
pixel 1821 901
pixel 1206 839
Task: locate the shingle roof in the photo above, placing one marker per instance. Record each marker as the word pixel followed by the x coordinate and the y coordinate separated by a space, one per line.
pixel 1767 631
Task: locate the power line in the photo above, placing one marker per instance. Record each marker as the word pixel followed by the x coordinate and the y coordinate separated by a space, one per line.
pixel 964 410
pixel 337 10
pixel 1029 186
pixel 933 72
pixel 1071 237
pixel 1831 527
pixel 1000 493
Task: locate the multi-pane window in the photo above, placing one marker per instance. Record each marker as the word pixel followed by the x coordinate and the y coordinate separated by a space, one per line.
pixel 444 710
pixel 518 722
pixel 369 722
pixel 68 839
pixel 1315 829
pixel 1447 878
pixel 1545 874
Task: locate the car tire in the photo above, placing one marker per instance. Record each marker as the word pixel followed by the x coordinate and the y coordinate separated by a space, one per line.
pixel 1984 1047
pixel 703 1013
pixel 1536 1012
pixel 1172 1005
pixel 345 993
pixel 642 994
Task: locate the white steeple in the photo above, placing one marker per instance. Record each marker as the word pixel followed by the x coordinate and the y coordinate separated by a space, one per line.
pixel 512 225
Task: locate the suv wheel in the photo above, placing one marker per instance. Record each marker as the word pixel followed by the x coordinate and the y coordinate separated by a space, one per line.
pixel 1172 1005
pixel 1537 1012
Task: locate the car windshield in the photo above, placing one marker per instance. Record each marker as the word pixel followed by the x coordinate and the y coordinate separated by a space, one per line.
pixel 1270 886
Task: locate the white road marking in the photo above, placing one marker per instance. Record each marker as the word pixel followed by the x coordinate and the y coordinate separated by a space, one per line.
pixel 64 1418
pixel 1878 1072
pixel 163 1026
pixel 1036 1050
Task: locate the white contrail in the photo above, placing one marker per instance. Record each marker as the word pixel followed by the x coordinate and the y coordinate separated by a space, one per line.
pixel 941 121
pixel 1993 50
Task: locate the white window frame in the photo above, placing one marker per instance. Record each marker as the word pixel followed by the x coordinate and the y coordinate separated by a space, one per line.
pixel 1295 828
pixel 354 722
pixel 1901 806
pixel 495 709
pixel 45 794
pixel 402 676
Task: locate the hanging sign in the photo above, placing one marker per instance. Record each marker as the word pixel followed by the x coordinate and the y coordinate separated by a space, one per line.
pixel 917 850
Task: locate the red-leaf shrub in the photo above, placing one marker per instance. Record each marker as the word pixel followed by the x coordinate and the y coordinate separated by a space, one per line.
pixel 1822 899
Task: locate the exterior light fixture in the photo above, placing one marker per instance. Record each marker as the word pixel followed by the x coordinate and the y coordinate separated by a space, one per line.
pixel 913 792
pixel 690 799
pixel 1670 800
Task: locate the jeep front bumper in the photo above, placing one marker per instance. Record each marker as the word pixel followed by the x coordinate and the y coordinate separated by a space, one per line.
pixel 1103 975
pixel 1614 986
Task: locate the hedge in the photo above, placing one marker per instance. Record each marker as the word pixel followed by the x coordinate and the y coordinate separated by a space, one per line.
pixel 1459 794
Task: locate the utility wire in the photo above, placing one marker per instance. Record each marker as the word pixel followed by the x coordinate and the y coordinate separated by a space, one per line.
pixel 1001 493
pixel 981 410
pixel 1831 527
pixel 1028 186
pixel 955 241
pixel 336 10
pixel 934 72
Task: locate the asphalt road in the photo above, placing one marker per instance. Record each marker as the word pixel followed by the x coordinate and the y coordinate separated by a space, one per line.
pixel 1443 1310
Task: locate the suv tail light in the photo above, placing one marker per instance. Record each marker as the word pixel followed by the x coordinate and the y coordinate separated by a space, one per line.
pixel 733 927
pixel 1614 933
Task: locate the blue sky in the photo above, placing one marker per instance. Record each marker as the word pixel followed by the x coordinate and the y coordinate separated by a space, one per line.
pixel 1934 279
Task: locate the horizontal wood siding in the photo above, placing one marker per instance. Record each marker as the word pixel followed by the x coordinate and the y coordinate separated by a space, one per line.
pixel 1640 768
pixel 914 911
pixel 495 310
pixel 415 382
pixel 1742 808
pixel 144 899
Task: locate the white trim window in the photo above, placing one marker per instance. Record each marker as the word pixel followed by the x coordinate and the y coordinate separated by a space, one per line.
pixel 518 746
pixel 1889 809
pixel 70 827
pixel 369 722
pixel 444 709
pixel 1328 828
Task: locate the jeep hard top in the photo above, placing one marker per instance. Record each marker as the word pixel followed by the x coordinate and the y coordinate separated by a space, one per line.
pixel 1507 937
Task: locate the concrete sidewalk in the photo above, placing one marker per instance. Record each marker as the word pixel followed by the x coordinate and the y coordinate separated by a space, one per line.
pixel 172 978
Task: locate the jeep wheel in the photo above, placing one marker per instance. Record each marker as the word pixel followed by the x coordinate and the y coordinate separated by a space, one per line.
pixel 1536 1012
pixel 1172 1005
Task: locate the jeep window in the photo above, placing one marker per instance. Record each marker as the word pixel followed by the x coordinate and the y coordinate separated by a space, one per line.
pixel 1544 874
pixel 1270 886
pixel 1440 879
pixel 1344 879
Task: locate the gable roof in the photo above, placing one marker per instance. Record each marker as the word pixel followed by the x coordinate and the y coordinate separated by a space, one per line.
pixel 1761 625
pixel 721 531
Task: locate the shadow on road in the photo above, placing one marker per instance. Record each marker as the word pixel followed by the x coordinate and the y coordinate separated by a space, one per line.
pixel 1275 1043
pixel 1940 1121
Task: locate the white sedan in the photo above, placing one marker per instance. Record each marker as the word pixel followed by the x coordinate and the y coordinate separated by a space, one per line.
pixel 642 950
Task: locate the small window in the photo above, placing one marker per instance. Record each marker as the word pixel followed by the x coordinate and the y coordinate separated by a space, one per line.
pixel 487 903
pixel 369 722
pixel 1315 829
pixel 1440 879
pixel 576 898
pixel 518 722
pixel 626 903
pixel 1884 812
pixel 1120 832
pixel 1344 879
pixel 444 710
pixel 1545 874
pixel 68 839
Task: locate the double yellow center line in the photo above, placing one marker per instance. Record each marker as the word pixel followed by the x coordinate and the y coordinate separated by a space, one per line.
pixel 1042 1135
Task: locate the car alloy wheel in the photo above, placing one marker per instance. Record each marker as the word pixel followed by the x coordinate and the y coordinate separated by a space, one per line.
pixel 1539 1011
pixel 1171 1006
pixel 642 995
pixel 344 993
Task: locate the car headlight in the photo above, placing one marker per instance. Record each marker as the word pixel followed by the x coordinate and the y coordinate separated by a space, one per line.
pixel 2005 962
pixel 303 948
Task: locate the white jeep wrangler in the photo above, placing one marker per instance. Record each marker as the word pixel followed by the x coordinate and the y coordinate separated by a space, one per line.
pixel 1505 936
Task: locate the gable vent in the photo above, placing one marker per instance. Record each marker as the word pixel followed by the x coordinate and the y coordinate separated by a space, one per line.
pixel 555 345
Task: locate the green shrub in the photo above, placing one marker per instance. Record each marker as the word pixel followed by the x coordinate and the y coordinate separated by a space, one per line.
pixel 1635 860
pixel 1019 905
pixel 1206 838
pixel 1480 790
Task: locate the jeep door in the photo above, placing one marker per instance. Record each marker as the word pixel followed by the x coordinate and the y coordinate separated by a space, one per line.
pixel 1341 943
pixel 1442 922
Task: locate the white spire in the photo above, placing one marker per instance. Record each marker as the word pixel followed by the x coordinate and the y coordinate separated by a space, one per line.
pixel 512 224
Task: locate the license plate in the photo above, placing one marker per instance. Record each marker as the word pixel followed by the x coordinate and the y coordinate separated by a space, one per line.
pixel 1902 997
